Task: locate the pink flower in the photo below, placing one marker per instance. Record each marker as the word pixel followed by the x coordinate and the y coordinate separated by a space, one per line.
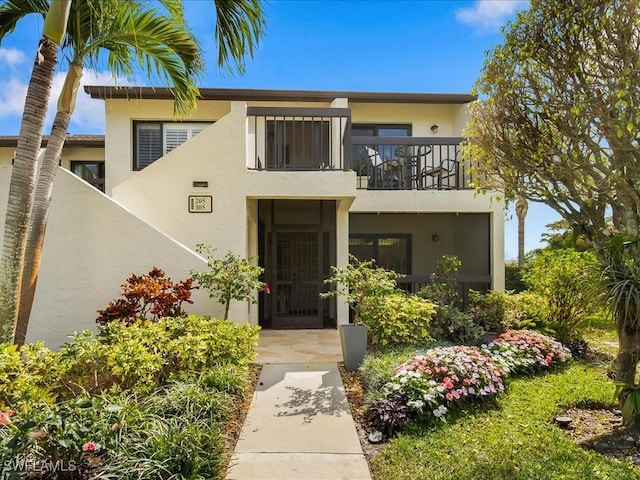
pixel 5 417
pixel 90 447
pixel 267 290
pixel 446 383
pixel 449 396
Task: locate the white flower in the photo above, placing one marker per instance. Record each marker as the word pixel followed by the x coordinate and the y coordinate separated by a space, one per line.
pixel 440 411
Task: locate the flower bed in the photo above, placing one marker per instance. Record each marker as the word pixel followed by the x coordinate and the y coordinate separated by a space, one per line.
pixel 441 379
pixel 523 351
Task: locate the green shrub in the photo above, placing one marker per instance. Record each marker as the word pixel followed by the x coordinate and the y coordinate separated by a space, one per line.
pixel 451 324
pixel 570 282
pixel 488 310
pixel 361 282
pixel 170 449
pixel 526 310
pixel 229 278
pixel 27 375
pixel 191 400
pixel 198 343
pixel 513 281
pixel 397 318
pixel 61 435
pixel 443 288
pixel 142 355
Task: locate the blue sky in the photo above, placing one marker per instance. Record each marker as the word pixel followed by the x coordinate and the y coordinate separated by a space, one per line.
pixel 374 45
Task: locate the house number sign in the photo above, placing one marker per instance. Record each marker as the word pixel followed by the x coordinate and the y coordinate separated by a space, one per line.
pixel 200 203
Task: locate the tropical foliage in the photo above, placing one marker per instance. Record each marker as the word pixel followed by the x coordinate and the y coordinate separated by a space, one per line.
pixel 557 121
pixel 230 278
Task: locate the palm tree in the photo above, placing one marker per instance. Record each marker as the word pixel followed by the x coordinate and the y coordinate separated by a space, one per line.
pixel 128 31
pixel 164 46
pixel 24 172
pixel 522 206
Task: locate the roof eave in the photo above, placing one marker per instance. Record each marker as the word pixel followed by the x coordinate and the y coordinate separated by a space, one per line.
pixel 153 93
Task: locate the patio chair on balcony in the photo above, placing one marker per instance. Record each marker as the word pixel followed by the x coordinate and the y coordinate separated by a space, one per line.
pixel 443 176
pixel 384 171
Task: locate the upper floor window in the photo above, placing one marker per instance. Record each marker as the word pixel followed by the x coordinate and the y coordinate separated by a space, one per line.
pixel 90 171
pixel 377 130
pixel 153 140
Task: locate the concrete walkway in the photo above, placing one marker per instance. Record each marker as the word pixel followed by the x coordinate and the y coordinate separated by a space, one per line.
pixel 299 427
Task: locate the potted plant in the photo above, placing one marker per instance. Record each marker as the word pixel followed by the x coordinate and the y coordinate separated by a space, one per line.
pixel 360 283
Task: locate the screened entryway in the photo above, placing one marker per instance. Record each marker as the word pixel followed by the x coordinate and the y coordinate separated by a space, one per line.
pixel 296 249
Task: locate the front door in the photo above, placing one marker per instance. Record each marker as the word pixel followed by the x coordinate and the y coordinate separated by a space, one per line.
pixel 298 279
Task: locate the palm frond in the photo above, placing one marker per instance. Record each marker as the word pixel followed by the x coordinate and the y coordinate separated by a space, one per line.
pixel 165 49
pixel 239 26
pixel 12 11
pixel 621 278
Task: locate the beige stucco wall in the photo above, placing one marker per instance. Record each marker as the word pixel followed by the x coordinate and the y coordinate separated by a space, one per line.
pixel 420 117
pixel 159 193
pixel 6 155
pixel 119 117
pixel 92 246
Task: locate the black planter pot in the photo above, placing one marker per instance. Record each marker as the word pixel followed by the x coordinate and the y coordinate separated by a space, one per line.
pixel 353 339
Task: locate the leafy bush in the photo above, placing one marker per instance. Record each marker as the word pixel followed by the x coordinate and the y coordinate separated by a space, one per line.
pixel 361 282
pixel 60 435
pixel 444 378
pixel 148 296
pixel 142 355
pixel 229 278
pixel 169 449
pixel 488 310
pixel 27 375
pixel 443 288
pixel 397 318
pixel 570 282
pixel 524 351
pixel 388 416
pixel 513 281
pixel 451 324
pixel 526 310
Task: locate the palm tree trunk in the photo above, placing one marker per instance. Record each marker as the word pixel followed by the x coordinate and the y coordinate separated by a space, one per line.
pixel 22 186
pixel 38 225
pixel 44 189
pixel 522 207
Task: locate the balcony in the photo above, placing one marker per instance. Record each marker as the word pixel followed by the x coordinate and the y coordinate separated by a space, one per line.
pixel 299 139
pixel 409 163
pixel 314 139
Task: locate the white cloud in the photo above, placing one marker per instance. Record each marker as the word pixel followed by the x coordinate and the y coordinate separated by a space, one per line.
pixel 12 57
pixel 12 95
pixel 489 14
pixel 88 116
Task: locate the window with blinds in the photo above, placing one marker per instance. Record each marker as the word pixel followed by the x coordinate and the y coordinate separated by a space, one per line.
pixel 155 139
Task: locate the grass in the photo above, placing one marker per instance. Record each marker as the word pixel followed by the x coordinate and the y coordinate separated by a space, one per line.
pixel 600 331
pixel 513 439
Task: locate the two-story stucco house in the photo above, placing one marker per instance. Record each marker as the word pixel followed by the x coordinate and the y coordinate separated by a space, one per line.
pixel 297 179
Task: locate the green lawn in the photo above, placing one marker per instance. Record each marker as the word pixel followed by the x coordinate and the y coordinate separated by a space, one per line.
pixel 600 332
pixel 512 439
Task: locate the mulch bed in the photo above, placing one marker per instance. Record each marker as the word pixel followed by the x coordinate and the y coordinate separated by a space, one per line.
pixel 354 389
